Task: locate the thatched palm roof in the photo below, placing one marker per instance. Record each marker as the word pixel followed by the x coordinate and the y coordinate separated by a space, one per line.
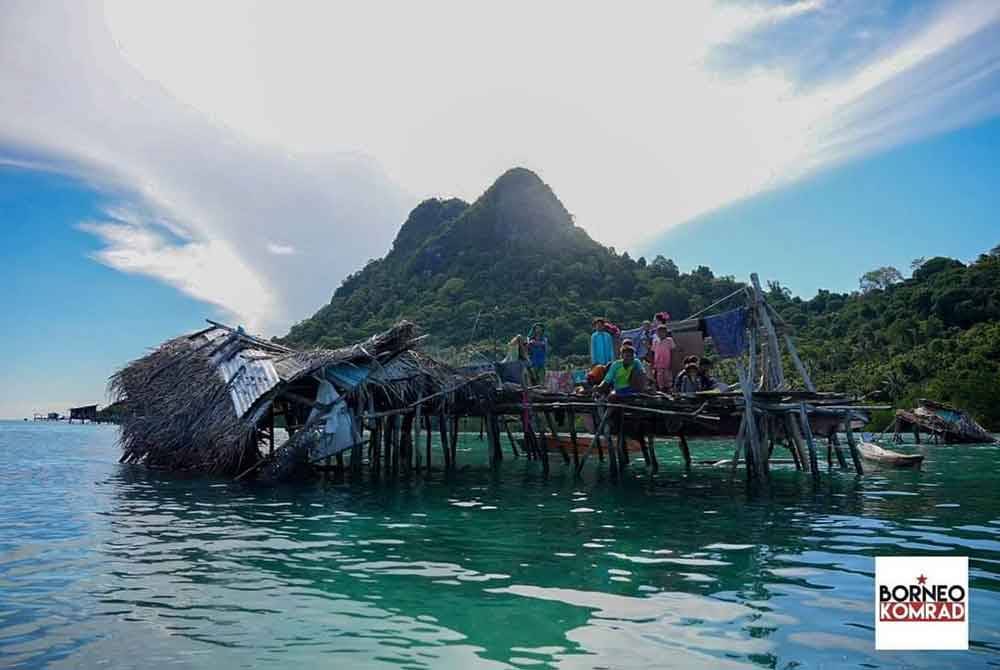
pixel 198 401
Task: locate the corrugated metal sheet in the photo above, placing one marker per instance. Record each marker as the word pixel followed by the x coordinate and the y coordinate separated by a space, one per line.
pixel 249 374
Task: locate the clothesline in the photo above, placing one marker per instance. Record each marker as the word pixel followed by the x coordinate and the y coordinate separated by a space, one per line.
pixel 716 303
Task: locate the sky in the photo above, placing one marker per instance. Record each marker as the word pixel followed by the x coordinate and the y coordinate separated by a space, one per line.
pixel 163 163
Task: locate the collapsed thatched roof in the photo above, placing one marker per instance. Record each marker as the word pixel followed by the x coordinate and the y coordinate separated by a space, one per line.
pixel 197 401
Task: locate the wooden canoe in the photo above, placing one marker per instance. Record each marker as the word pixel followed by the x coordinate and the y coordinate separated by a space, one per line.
pixel 584 441
pixel 887 457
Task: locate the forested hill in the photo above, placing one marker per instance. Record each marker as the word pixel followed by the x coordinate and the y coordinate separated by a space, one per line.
pixel 474 275
pixel 471 274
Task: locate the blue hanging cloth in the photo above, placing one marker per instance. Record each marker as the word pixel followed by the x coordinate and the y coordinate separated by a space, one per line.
pixel 728 332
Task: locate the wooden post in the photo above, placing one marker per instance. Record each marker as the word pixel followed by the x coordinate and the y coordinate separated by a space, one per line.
pixel 751 425
pixel 612 452
pixel 418 424
pixel 510 436
pixel 408 442
pixel 612 449
pixel 454 441
pixel 573 440
pixel 652 451
pixel 496 432
pixel 430 431
pixel 555 436
pixel 807 434
pixel 794 433
pixel 835 441
pixel 443 430
pixel 682 442
pixel 376 439
pixel 855 455
pixel 599 427
pixel 740 443
pixel 776 376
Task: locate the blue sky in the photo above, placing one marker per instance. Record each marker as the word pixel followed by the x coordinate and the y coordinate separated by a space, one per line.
pixel 938 197
pixel 140 195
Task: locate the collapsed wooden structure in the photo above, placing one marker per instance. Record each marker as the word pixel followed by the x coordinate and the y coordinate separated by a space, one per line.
pixel 215 401
pixel 942 422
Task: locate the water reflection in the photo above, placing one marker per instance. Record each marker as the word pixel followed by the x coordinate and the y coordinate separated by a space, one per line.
pixel 125 566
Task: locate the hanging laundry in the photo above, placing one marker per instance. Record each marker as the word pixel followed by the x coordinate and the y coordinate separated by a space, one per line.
pixel 728 332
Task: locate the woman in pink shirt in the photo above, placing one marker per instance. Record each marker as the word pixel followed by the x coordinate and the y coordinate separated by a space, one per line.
pixel 663 348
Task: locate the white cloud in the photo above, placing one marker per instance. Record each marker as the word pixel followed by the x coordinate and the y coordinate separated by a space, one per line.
pixel 244 150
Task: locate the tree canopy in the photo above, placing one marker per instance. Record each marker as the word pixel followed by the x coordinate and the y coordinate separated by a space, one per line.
pixel 473 275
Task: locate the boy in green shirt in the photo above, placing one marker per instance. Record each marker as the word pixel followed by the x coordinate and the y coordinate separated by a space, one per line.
pixel 625 376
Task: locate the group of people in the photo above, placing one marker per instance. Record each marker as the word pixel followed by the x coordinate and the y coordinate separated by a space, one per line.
pixel 619 359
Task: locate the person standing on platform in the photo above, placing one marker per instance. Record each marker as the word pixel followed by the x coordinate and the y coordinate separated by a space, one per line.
pixel 538 351
pixel 663 352
pixel 602 346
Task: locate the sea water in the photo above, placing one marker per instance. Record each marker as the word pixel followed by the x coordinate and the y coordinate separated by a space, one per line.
pixel 108 565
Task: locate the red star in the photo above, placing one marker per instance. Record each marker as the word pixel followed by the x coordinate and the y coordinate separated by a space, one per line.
pixel 921 579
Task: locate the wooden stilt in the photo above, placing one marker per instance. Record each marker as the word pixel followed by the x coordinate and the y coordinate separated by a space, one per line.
pixel 454 441
pixel 794 433
pixel 652 452
pixel 855 454
pixel 753 464
pixel 427 425
pixel 418 423
pixel 740 443
pixel 443 430
pixel 555 435
pixel 599 427
pixel 573 441
pixel 807 434
pixel 682 442
pixel 510 437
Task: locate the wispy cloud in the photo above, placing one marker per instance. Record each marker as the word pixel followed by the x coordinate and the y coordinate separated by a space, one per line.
pixel 241 165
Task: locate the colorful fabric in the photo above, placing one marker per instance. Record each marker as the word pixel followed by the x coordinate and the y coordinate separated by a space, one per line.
pixel 538 348
pixel 663 351
pixel 602 347
pixel 728 332
pixel 620 375
pixel 559 381
pixel 641 340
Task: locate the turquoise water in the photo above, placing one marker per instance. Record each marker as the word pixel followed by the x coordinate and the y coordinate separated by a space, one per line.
pixel 113 566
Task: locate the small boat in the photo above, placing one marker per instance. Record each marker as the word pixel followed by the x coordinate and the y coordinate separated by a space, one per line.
pixel 894 459
pixel 583 441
